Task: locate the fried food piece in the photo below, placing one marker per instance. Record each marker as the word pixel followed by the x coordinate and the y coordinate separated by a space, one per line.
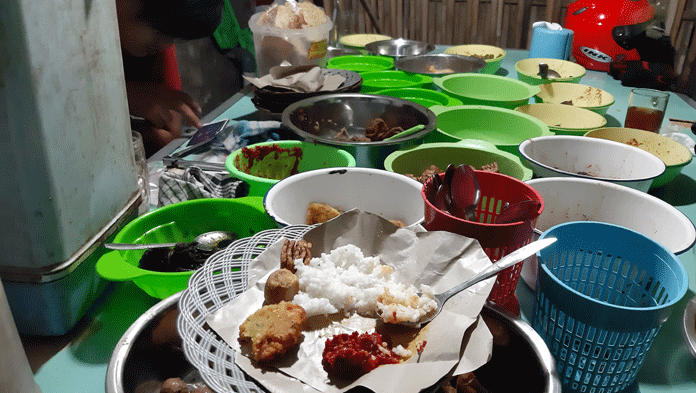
pixel 427 173
pixel 174 385
pixel 398 223
pixel 293 250
pixel 273 331
pixel 378 130
pixel 492 167
pixel 318 213
pixel 313 15
pixel 463 383
pixel 281 285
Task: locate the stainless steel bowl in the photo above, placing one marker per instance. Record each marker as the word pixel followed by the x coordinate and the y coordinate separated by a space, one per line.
pixel 321 118
pixel 439 64
pixel 689 325
pixel 399 47
pixel 334 51
pixel 521 361
pixel 149 353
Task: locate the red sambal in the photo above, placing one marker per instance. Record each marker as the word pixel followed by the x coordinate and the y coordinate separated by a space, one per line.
pixel 348 356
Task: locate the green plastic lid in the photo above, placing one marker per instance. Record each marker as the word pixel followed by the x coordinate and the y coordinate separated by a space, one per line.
pixel 358 63
pixel 381 80
pixel 425 97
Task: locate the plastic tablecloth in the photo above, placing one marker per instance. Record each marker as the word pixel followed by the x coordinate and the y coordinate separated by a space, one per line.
pixel 81 362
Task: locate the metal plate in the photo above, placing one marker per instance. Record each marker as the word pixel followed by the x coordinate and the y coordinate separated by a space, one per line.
pixel 440 64
pixel 399 47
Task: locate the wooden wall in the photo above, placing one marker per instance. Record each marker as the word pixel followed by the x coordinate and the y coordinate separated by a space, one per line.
pixel 504 23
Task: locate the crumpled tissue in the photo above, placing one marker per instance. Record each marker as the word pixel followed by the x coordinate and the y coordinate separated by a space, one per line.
pixel 672 131
pixel 303 79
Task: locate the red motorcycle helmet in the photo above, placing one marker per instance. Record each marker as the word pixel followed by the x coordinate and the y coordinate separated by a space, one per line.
pixel 603 29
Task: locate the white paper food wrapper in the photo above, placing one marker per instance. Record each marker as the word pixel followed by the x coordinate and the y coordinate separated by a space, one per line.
pixel 457 338
pixel 304 79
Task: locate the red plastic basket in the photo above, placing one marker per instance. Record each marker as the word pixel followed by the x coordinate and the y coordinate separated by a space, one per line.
pixel 497 240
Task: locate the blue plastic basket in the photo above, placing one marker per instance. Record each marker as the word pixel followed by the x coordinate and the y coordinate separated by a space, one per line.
pixel 602 294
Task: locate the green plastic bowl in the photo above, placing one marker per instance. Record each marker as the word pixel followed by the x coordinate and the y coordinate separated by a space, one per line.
pixel 471 152
pixel 492 65
pixel 179 222
pixel 564 119
pixel 314 156
pixel 504 128
pixel 528 70
pixel 360 63
pixel 358 41
pixel 675 155
pixel 425 97
pixel 483 89
pixel 381 80
pixel 582 96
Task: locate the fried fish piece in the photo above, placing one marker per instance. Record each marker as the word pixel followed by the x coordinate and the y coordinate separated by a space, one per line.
pixel 273 331
pixel 318 213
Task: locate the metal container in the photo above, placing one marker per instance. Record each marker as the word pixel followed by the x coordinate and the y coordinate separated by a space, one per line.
pixel 321 118
pixel 150 352
pixel 399 47
pixel 50 301
pixel 440 64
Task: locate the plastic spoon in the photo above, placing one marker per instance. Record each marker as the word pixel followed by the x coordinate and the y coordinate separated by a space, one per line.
pixel 205 241
pixel 432 188
pixel 520 211
pixel 406 132
pixel 466 192
pixel 546 73
pixel 443 199
pixel 511 259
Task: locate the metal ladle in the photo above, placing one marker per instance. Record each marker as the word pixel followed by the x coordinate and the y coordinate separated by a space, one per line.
pixel 205 241
pixel 511 259
pixel 546 73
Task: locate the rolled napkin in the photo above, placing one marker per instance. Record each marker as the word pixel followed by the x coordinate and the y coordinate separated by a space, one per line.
pixel 550 41
pixel 303 79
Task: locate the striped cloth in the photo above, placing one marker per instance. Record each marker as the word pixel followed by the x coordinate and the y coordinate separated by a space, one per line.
pixel 176 184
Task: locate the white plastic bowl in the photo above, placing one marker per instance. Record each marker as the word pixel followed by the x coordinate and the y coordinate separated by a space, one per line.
pixel 390 195
pixel 591 158
pixel 575 199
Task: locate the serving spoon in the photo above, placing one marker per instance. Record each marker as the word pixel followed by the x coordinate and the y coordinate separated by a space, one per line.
pixel 520 211
pixel 205 241
pixel 546 73
pixel 465 192
pixel 511 259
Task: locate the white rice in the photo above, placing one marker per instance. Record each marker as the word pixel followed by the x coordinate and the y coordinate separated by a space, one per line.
pixel 346 281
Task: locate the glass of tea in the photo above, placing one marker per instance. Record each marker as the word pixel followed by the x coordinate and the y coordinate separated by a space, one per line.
pixel 646 109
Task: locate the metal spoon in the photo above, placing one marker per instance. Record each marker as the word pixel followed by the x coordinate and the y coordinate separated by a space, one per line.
pixel 511 259
pixel 205 241
pixel 520 211
pixel 546 73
